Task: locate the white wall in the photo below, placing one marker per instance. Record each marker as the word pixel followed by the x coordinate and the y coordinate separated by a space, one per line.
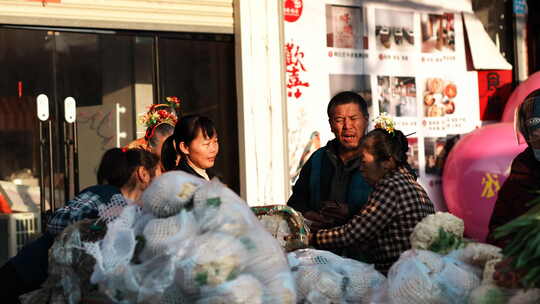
pixel 261 101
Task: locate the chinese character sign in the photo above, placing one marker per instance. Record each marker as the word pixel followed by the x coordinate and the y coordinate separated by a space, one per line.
pixel 491 186
pixel 294 70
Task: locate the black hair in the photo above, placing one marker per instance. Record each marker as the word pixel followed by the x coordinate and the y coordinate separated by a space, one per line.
pixel 117 165
pixel 385 146
pixel 525 111
pixel 347 97
pixel 186 131
pixel 164 129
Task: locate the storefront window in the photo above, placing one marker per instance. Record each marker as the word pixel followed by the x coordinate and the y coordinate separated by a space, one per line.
pixel 496 16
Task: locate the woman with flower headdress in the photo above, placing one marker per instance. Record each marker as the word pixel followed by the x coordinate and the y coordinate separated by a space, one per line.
pixel 396 204
pixel 159 122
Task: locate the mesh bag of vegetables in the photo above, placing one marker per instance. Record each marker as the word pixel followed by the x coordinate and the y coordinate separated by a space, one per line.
pixel 70 267
pixel 323 277
pixel 192 242
pixel 421 276
pixel 285 224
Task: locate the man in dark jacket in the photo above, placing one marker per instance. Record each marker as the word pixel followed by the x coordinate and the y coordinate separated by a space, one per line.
pixel 330 189
pixel 524 181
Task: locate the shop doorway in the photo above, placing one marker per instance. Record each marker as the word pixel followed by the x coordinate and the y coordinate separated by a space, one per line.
pixel 112 76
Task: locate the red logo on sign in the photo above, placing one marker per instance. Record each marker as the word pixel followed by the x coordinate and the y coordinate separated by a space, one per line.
pixel 293 10
pixel 293 60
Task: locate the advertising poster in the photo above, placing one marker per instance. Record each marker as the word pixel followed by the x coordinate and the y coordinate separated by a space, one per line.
pixel 406 61
pixel 346 37
pixel 306 76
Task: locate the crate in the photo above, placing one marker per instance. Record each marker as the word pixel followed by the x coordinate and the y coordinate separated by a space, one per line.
pixel 16 229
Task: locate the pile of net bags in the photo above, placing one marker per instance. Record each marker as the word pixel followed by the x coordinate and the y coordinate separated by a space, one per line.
pixel 70 267
pixel 325 278
pixel 444 267
pixel 422 276
pixel 192 242
pixel 285 224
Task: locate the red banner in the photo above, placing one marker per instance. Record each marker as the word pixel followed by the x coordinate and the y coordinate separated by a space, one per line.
pixel 495 87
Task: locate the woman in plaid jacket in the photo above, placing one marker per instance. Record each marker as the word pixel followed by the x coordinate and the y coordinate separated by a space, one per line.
pixel 383 226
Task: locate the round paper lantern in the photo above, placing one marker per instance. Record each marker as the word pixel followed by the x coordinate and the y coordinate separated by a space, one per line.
pixel 474 171
pixel 525 88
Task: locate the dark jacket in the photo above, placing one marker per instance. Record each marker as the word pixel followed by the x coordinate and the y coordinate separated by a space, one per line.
pixel 516 192
pixel 183 166
pixel 332 184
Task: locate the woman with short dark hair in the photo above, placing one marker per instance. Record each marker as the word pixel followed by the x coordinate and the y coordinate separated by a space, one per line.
pixel 192 147
pixel 396 204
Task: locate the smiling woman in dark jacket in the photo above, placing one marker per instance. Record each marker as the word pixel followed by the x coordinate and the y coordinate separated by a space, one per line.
pixel 193 147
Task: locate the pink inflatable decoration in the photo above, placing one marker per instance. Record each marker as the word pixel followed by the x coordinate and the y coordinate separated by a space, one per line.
pixel 532 83
pixel 473 173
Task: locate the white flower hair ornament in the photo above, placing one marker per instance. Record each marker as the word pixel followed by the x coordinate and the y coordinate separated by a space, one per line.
pixel 385 122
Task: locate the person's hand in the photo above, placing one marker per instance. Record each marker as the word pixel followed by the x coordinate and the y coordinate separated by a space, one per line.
pixel 337 212
pixel 316 221
pixel 311 239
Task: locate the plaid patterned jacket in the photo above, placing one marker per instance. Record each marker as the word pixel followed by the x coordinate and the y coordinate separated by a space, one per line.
pixel 84 205
pixel 384 225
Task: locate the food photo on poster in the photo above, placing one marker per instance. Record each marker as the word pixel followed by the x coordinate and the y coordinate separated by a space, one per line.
pixel 397 96
pixel 394 30
pixel 438 34
pixel 439 97
pixel 345 27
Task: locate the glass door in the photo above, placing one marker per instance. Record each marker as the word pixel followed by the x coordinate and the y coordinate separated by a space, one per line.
pixel 27 64
pixel 44 164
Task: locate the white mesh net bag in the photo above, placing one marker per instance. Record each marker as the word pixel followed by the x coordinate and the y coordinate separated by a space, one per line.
pixel 477 254
pixel 245 289
pixel 489 293
pixel 323 277
pixel 173 295
pixel 214 258
pixel 170 193
pixel 191 244
pixel 268 264
pixel 168 235
pixel 278 226
pixel 285 224
pixel 69 268
pixel 319 285
pixel 421 276
pixel 217 208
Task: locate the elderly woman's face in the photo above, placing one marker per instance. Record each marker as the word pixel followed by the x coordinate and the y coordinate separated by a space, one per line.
pixel 371 169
